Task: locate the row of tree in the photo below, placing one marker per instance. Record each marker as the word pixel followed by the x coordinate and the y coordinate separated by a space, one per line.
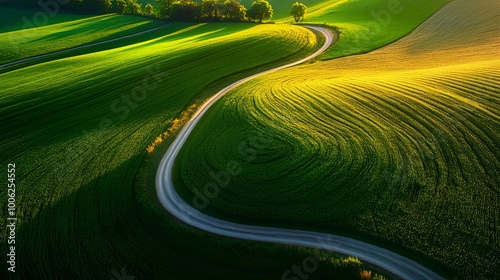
pixel 226 10
pixel 186 10
pixel 213 10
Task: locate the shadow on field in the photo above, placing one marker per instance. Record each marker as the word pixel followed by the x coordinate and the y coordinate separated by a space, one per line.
pixel 106 229
pixel 103 24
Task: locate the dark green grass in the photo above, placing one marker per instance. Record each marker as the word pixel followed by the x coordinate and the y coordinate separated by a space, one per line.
pixel 61 32
pixel 75 189
pixel 397 172
pixel 12 18
pixel 111 45
pixel 409 163
pixel 364 25
pixel 79 215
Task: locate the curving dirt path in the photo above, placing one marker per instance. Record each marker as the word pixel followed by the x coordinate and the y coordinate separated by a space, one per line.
pixel 385 260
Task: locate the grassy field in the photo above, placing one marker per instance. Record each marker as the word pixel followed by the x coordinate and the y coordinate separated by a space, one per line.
pixel 368 25
pixel 364 25
pixel 70 169
pixel 20 40
pixel 12 18
pixel 372 146
pixel 399 146
pixel 77 129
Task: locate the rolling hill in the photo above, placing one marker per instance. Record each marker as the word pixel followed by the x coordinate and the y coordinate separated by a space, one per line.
pixel 22 34
pixel 77 129
pixel 398 146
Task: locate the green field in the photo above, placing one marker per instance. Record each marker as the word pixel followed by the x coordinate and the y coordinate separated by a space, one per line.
pixel 399 146
pixel 368 25
pixel 12 18
pixel 63 32
pixel 364 25
pixel 77 129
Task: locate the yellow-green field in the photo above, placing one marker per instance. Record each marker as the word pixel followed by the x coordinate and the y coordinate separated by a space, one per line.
pixel 77 129
pixel 31 38
pixel 399 146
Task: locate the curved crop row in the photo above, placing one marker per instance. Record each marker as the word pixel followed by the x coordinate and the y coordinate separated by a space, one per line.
pixel 400 145
pixel 77 130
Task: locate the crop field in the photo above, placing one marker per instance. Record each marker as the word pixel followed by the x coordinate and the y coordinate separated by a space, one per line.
pixel 399 146
pixel 364 25
pixel 77 129
pixel 12 18
pixel 367 25
pixel 32 39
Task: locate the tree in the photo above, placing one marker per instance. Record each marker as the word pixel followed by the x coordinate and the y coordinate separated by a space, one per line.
pixel 132 7
pixel 298 11
pixel 234 10
pixel 184 10
pixel 220 8
pixel 106 5
pixel 164 7
pixel 148 10
pixel 208 9
pixel 261 9
pixel 120 6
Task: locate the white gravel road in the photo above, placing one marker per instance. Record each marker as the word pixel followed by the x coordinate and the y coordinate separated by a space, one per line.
pixel 387 261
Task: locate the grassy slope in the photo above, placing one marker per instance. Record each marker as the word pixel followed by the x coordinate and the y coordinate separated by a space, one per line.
pixel 63 31
pixel 400 144
pixel 367 25
pixel 12 18
pixel 74 188
pixel 364 25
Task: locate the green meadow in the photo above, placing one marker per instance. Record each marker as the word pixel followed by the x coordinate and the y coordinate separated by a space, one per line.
pixel 398 147
pixel 62 32
pixel 368 25
pixel 392 138
pixel 77 128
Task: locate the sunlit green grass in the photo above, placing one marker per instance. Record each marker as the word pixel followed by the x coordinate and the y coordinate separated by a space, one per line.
pixel 78 138
pixel 399 146
pixel 61 32
pixel 369 24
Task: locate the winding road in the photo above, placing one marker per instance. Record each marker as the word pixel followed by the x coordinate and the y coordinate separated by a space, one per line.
pixel 393 264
